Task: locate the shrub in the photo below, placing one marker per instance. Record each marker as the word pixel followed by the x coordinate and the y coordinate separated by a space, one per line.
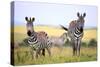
pixel 24 42
pixel 84 44
pixel 92 42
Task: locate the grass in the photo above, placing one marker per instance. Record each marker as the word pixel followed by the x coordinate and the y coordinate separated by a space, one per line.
pixel 22 55
pixel 90 34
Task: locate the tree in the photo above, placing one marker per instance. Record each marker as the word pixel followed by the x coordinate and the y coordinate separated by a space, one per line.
pixel 92 42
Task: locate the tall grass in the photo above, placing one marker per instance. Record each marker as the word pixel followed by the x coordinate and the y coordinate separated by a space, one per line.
pixel 23 56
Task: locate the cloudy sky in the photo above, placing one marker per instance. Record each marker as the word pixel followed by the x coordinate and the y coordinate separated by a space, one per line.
pixel 53 14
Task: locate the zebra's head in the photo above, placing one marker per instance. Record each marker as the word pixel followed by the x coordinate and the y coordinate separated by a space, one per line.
pixel 80 21
pixel 29 25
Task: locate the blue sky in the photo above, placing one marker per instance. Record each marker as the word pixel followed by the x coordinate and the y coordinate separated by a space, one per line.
pixel 53 14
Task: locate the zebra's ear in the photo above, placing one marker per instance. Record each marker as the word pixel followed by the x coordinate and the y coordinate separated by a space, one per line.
pixel 26 18
pixel 32 19
pixel 84 14
pixel 78 14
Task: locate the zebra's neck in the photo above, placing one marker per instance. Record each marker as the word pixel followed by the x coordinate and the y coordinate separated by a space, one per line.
pixel 77 32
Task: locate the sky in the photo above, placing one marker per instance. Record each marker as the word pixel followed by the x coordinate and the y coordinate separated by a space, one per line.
pixel 53 14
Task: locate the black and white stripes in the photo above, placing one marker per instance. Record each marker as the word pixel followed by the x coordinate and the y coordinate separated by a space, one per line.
pixel 78 33
pixel 39 43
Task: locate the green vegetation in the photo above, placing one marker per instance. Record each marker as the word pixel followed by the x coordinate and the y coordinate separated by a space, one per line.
pixel 92 42
pixel 22 55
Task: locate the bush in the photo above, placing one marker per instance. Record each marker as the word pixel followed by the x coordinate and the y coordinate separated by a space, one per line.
pixel 84 44
pixel 92 42
pixel 24 42
pixel 68 43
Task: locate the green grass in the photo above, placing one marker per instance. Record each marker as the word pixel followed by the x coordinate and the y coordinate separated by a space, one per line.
pixel 23 56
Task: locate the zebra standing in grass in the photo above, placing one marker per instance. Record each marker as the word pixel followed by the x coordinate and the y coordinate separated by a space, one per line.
pixel 59 41
pixel 75 32
pixel 37 40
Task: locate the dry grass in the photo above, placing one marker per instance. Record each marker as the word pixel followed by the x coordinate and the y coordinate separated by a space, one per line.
pixel 88 34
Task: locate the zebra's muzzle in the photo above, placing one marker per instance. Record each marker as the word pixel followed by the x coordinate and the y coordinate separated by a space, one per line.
pixel 81 29
pixel 29 33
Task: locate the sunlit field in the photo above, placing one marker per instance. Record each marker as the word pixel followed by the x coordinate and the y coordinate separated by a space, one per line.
pixel 53 31
pixel 22 54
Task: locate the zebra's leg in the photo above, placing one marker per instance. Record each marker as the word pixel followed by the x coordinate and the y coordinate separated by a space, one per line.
pixel 74 50
pixel 43 52
pixel 37 52
pixel 49 52
pixel 79 47
pixel 79 51
pixel 32 53
pixel 76 47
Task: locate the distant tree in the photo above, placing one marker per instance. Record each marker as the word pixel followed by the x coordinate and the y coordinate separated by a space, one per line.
pixel 92 42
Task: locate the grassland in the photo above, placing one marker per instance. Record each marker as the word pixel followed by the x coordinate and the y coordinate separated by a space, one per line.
pixel 22 55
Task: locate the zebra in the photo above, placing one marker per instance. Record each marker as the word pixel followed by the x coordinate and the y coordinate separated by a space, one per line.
pixel 75 32
pixel 37 40
pixel 59 41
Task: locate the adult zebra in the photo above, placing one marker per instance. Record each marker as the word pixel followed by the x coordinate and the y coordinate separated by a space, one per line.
pixel 37 40
pixel 75 32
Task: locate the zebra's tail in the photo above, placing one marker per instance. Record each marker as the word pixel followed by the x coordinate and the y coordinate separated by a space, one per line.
pixel 64 28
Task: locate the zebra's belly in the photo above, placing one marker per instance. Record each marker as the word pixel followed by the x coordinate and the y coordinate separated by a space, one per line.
pixel 39 46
